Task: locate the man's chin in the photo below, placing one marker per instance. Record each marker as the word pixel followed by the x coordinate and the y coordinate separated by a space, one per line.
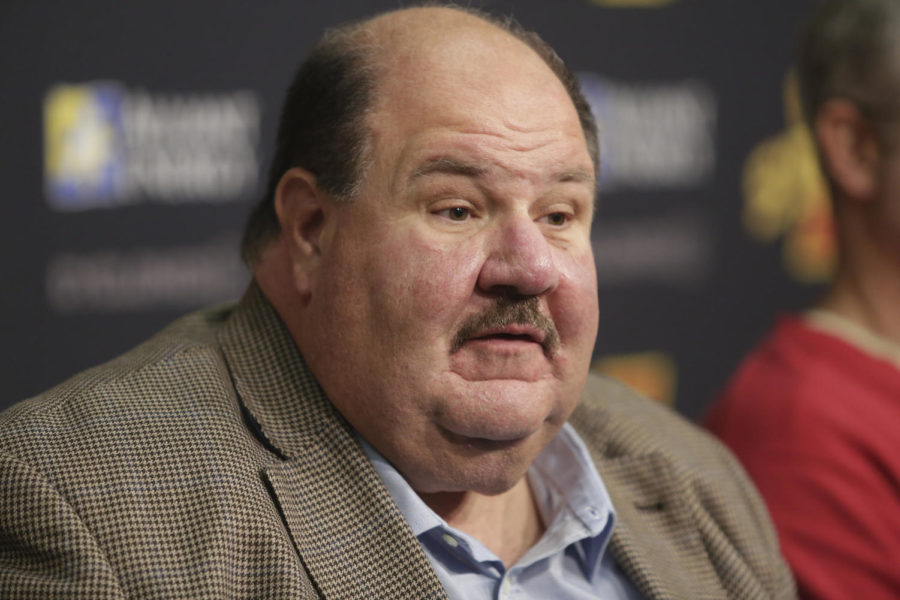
pixel 486 467
pixel 484 481
pixel 495 414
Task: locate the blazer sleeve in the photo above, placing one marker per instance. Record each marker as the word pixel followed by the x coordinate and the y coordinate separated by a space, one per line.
pixel 45 549
pixel 756 539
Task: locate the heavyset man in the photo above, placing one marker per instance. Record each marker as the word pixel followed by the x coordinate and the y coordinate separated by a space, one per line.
pixel 400 405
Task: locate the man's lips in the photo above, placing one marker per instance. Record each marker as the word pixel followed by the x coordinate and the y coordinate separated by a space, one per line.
pixel 484 439
pixel 522 332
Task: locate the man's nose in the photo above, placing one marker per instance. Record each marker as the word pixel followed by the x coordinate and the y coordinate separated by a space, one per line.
pixel 520 260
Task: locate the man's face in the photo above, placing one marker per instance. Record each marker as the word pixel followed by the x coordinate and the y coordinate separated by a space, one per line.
pixel 454 312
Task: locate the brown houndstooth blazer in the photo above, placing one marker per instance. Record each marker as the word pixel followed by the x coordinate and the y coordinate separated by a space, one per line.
pixel 207 463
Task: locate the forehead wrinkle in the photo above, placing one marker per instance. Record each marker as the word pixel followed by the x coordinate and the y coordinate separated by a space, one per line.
pixel 476 167
pixel 551 136
pixel 543 134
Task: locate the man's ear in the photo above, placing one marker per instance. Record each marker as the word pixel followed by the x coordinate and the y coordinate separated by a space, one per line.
pixel 849 148
pixel 301 208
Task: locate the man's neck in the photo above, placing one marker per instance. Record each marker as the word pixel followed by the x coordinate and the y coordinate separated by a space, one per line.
pixel 508 524
pixel 866 290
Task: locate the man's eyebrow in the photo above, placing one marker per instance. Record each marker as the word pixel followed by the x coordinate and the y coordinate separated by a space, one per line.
pixel 447 166
pixel 577 177
pixel 450 166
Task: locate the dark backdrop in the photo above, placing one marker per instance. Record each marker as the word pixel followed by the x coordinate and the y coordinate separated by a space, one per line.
pixel 135 136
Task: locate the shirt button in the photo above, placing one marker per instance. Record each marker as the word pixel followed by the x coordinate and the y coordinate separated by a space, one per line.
pixel 450 540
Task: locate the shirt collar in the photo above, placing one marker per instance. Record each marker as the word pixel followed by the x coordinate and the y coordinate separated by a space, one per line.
pixel 419 516
pixel 570 495
pixel 854 334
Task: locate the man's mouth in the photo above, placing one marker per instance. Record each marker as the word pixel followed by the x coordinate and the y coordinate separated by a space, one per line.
pixel 523 332
pixel 519 320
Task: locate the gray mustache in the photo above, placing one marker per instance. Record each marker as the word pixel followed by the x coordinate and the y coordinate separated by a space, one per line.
pixel 507 311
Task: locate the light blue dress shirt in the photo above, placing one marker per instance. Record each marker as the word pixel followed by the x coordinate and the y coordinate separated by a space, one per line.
pixel 570 560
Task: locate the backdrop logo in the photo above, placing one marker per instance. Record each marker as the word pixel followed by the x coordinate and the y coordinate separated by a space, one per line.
pixel 83 144
pixel 119 280
pixel 669 249
pixel 656 135
pixel 785 196
pixel 108 146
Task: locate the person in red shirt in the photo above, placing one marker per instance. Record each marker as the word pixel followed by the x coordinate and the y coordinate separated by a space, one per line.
pixel 814 411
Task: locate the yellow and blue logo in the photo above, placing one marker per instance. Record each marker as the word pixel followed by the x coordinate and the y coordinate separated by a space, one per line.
pixel 84 149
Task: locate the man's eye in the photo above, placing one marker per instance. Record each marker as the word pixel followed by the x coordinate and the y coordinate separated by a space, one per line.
pixel 457 213
pixel 558 218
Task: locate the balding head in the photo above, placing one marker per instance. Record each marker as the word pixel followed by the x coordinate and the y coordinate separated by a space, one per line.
pixel 324 123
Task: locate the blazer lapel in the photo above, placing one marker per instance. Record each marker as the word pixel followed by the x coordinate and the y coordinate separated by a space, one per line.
pixel 655 539
pixel 348 531
pixel 350 535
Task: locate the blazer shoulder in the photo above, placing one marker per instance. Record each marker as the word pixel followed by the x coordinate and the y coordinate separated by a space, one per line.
pixel 616 422
pixel 140 381
pixel 628 423
pixel 620 427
